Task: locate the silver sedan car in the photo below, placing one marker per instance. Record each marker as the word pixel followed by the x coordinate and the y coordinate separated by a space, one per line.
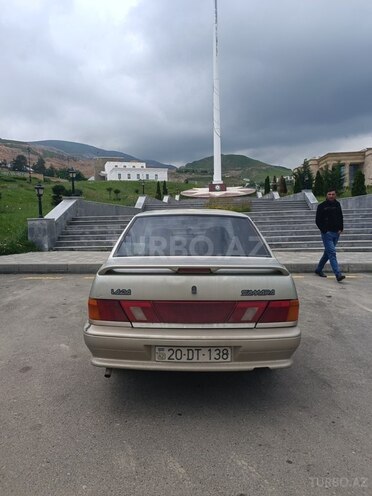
pixel 192 290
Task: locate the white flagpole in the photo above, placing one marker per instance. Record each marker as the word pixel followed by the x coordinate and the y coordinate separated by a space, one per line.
pixel 217 177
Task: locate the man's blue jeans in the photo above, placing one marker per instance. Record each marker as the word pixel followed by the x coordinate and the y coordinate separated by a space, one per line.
pixel 330 240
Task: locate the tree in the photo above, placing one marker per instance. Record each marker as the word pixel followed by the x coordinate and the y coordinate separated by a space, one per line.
pixel 359 185
pixel 109 191
pixel 337 177
pixel 282 186
pixel 39 167
pixel 275 184
pixel 267 185
pixel 158 192
pixel 327 179
pixel 165 189
pixel 304 177
pixel 64 174
pixel 117 193
pixel 19 163
pixel 307 175
pixel 318 188
pixel 50 171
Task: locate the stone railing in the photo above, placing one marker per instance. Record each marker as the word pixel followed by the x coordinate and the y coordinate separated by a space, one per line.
pixel 45 232
pixel 363 201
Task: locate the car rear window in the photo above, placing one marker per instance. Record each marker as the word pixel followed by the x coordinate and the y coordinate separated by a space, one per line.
pixel 192 235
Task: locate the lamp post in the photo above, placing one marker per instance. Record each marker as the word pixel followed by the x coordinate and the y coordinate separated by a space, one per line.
pixel 29 165
pixel 72 173
pixel 39 188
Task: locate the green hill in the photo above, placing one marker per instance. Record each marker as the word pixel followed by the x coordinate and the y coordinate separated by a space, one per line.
pixel 238 166
pixel 84 151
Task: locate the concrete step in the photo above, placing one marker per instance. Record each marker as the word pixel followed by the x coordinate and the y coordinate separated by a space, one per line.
pixel 82 248
pixel 69 245
pixel 281 238
pixel 292 221
pixel 88 237
pixel 308 224
pixel 125 218
pixel 308 214
pixel 284 207
pixel 97 221
pixel 304 249
pixel 316 245
pixel 73 229
pixel 92 232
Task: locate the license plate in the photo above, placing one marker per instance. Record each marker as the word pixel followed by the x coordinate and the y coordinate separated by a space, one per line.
pixel 192 354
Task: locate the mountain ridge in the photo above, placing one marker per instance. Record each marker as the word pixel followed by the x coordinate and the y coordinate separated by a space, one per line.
pixel 61 154
pixel 92 152
pixel 233 165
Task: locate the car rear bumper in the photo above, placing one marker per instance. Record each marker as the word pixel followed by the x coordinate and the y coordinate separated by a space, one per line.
pixel 115 347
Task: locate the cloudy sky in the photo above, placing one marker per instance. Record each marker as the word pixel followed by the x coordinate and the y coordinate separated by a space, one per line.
pixel 137 76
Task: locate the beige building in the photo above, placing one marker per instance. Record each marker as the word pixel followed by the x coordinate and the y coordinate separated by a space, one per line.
pixel 351 162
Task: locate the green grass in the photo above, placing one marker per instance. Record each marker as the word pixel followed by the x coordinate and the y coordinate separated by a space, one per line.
pixel 18 203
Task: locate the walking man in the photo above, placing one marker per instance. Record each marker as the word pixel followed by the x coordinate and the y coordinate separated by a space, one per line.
pixel 330 221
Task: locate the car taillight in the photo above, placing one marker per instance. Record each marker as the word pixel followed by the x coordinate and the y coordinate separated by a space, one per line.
pixel 280 311
pixel 106 310
pixel 140 311
pixel 194 312
pixel 247 311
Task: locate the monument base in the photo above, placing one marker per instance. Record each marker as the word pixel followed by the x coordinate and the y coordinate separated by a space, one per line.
pixel 217 187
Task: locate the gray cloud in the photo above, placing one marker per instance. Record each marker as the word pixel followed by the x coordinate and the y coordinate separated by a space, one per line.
pixel 137 76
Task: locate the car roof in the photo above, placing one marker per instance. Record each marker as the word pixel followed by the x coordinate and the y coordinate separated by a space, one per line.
pixel 192 211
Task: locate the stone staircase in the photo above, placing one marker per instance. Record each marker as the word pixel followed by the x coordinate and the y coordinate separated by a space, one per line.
pixel 92 233
pixel 267 205
pixel 287 225
pixel 296 230
pixel 257 204
pixel 152 204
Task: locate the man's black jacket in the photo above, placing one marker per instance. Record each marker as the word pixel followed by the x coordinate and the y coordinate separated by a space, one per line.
pixel 329 216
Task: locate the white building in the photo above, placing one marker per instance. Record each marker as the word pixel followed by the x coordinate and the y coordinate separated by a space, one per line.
pixel 133 171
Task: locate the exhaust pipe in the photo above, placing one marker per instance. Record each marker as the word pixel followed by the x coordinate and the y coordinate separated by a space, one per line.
pixel 108 373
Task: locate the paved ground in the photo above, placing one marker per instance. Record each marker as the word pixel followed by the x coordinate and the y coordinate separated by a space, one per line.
pixel 68 431
pixel 89 262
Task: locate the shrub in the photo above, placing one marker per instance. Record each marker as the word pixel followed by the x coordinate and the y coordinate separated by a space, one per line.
pixel 359 185
pixel 58 191
pixel 158 192
pixel 267 185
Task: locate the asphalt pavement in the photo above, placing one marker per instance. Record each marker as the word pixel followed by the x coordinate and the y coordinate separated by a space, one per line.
pixel 66 430
pixel 88 262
